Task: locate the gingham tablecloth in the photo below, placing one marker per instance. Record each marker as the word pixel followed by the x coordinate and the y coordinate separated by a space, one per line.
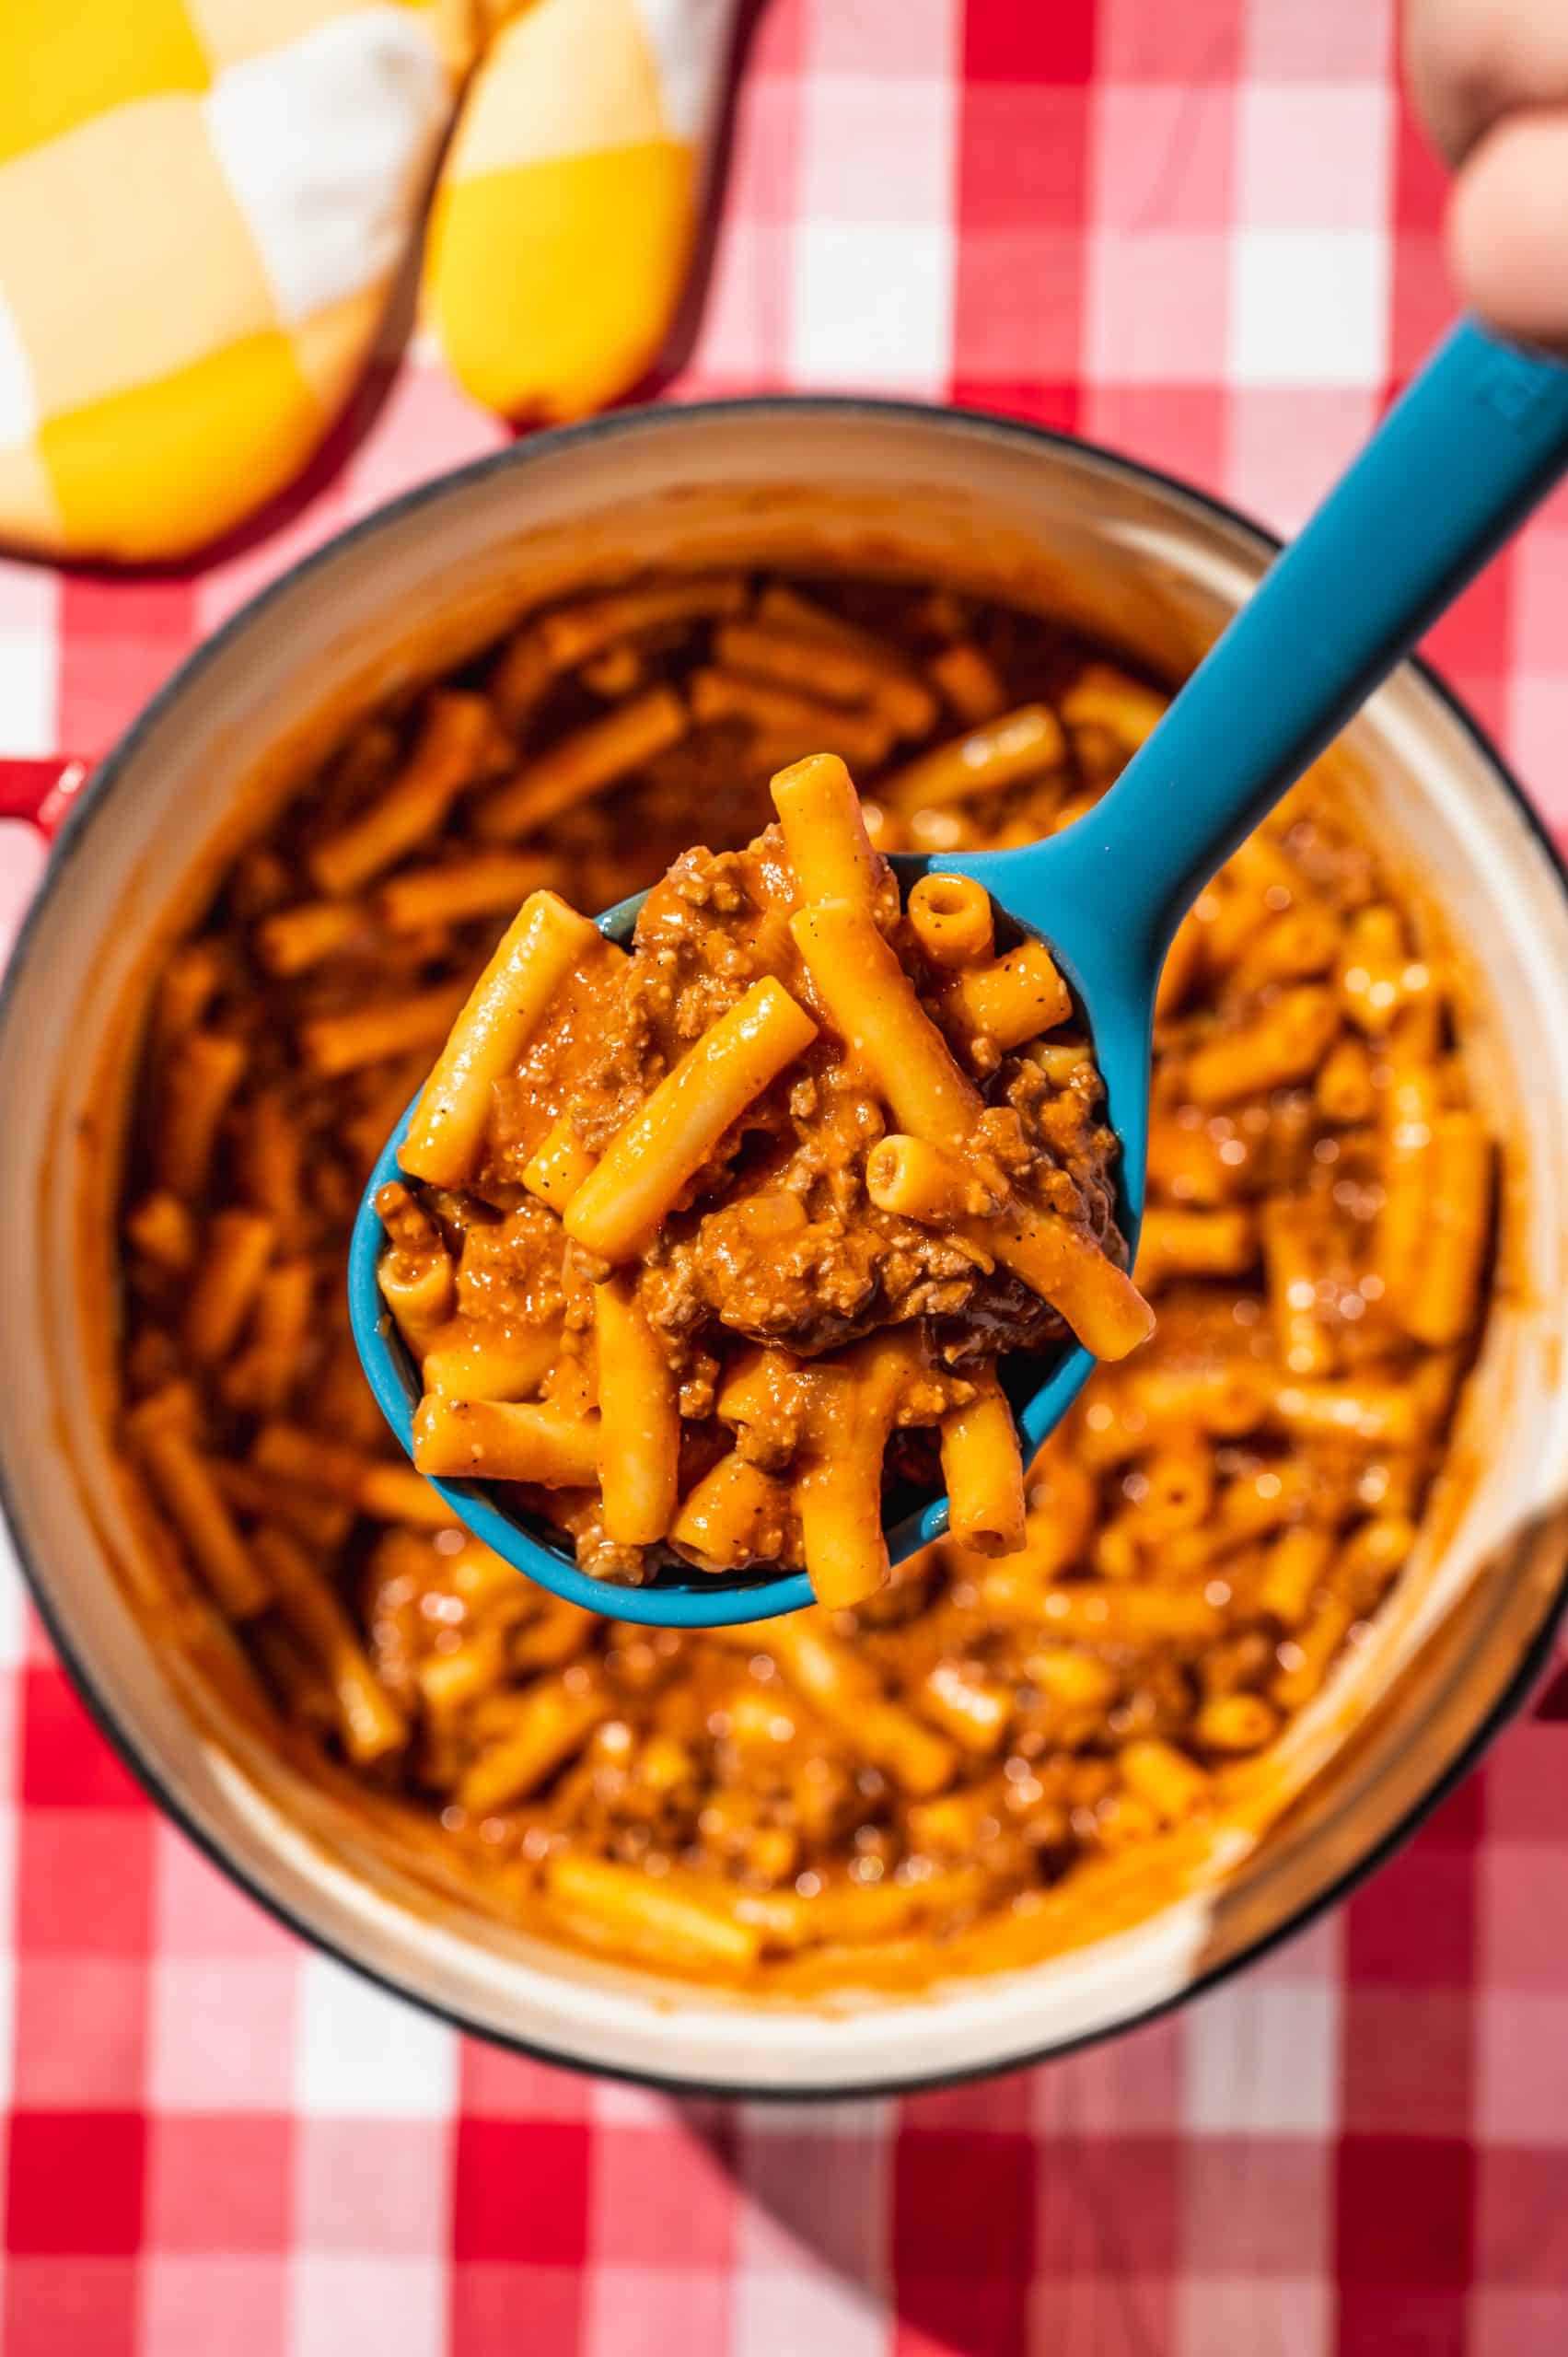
pixel 1207 232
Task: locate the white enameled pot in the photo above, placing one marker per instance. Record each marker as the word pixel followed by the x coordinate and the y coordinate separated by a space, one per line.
pixel 1109 547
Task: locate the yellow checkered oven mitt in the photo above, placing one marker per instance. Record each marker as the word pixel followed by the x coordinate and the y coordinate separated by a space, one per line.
pixel 204 205
pixel 563 225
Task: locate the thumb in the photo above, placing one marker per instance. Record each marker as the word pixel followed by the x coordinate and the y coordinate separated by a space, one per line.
pixel 1508 227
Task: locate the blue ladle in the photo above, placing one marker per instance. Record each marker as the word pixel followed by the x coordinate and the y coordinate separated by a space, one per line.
pixel 1481 435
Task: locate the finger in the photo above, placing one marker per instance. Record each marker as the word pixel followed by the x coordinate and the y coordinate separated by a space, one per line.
pixel 1505 228
pixel 1470 62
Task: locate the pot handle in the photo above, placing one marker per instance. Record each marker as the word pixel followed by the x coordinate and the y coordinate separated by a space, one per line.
pixel 40 788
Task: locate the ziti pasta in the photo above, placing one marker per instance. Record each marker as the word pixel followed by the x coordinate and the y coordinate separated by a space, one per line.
pixel 658 1167
pixel 911 1785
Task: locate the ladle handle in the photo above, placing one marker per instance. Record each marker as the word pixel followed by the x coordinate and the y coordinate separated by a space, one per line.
pixel 1478 437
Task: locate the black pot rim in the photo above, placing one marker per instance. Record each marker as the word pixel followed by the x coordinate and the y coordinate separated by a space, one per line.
pixel 89 804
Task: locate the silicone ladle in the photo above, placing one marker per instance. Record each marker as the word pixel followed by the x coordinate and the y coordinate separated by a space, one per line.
pixel 1477 439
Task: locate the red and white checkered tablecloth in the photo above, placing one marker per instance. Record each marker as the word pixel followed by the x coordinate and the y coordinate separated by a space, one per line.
pixel 1205 231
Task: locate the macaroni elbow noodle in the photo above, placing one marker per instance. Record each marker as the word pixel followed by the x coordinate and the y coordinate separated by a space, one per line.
pixel 639 1420
pixel 544 942
pixel 708 1247
pixel 952 920
pixel 855 972
pixel 620 1206
pixel 1017 998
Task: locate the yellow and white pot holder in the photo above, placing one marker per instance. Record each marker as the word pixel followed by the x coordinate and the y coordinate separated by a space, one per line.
pixel 204 205
pixel 563 223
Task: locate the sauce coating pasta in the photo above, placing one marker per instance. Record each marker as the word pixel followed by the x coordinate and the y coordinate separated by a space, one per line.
pixel 876 1791
pixel 676 1146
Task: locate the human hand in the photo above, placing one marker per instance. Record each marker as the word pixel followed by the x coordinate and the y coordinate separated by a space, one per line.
pixel 1490 78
